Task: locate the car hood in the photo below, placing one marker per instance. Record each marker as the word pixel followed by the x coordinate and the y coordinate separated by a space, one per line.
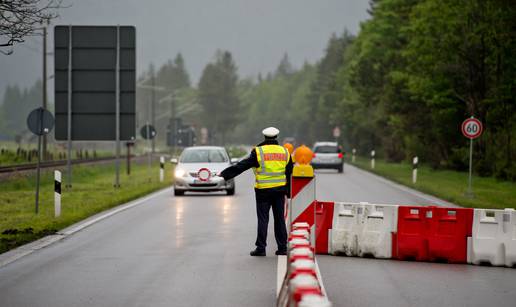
pixel 195 167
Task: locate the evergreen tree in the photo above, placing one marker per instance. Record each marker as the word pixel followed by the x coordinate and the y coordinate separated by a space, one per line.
pixel 285 68
pixel 218 96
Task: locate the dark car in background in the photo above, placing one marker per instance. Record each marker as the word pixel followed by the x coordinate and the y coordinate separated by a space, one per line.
pixel 328 155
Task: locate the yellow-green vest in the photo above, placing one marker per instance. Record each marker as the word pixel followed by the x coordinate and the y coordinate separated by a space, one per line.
pixel 273 160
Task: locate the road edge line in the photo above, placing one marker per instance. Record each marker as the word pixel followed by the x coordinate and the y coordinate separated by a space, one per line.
pixel 27 249
pixel 281 271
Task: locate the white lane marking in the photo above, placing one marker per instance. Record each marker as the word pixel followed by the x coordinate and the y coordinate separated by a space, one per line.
pixel 29 248
pixel 319 277
pixel 282 272
pixel 430 198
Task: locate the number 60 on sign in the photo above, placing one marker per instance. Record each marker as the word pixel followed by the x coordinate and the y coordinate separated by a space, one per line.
pixel 471 128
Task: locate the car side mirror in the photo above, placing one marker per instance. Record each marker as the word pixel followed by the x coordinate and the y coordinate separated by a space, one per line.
pixel 174 161
pixel 234 160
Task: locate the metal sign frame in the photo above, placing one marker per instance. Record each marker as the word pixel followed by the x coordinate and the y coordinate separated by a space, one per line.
pixel 95 66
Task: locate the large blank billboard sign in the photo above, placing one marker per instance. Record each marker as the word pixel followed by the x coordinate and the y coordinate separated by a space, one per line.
pixel 94 80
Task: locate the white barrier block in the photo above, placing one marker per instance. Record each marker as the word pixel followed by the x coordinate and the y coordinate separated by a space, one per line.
pixel 375 236
pixel 510 240
pixel 487 242
pixel 345 228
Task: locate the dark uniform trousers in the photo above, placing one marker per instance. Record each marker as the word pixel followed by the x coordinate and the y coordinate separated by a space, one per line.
pixel 265 199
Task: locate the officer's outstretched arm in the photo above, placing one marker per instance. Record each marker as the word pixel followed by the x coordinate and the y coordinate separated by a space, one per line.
pixel 240 167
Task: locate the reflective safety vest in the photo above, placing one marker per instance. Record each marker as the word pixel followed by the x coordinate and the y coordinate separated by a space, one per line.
pixel 273 160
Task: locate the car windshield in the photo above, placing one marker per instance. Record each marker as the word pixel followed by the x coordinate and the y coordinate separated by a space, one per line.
pixel 204 155
pixel 326 149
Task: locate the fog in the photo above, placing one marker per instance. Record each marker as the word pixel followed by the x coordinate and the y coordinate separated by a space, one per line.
pixel 258 33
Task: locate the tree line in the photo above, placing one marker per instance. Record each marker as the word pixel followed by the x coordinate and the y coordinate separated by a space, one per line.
pixel 403 85
pixel 15 106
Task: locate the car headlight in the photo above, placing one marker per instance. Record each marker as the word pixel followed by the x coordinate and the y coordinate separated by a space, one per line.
pixel 180 173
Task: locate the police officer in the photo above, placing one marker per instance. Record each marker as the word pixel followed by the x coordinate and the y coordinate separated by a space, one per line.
pixel 272 167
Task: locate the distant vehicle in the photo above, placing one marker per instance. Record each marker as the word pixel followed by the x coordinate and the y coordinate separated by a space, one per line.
pixel 197 170
pixel 328 155
pixel 290 139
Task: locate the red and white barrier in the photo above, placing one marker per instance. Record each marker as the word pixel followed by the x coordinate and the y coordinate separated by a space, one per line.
pixel 302 204
pixel 302 284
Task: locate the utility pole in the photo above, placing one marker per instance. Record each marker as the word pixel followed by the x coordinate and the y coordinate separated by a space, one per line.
pixel 44 85
pixel 172 116
pixel 153 108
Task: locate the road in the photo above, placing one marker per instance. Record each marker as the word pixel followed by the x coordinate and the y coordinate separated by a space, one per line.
pixel 353 281
pixel 193 251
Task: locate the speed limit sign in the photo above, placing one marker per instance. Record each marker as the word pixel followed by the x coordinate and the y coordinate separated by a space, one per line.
pixel 471 128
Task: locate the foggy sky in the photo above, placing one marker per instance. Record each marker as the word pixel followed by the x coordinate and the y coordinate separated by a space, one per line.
pixel 257 32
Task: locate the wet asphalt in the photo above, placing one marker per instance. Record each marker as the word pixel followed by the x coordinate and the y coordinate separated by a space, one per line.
pixel 194 251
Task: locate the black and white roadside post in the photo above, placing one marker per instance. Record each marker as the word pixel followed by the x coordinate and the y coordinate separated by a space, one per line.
pixel 57 193
pixel 40 122
pixel 148 132
pixel 128 166
pixel 415 161
pixel 373 153
pixel 353 156
pixel 472 129
pixel 161 169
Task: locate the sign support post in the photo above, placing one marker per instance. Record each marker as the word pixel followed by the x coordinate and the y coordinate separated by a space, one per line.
pixel 469 193
pixel 39 122
pixel 38 171
pixel 95 83
pixel 69 119
pixel 149 153
pixel 472 129
pixel 117 95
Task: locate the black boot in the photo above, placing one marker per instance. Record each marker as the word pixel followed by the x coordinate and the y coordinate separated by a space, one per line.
pixel 281 252
pixel 258 252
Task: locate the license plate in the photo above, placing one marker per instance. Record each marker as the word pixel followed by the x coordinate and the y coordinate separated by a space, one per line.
pixel 197 181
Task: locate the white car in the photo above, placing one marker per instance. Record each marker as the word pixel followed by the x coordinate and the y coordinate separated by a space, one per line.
pixel 328 155
pixel 197 170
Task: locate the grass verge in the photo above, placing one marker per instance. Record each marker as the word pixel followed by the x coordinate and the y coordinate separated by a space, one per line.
pixel 449 185
pixel 92 192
